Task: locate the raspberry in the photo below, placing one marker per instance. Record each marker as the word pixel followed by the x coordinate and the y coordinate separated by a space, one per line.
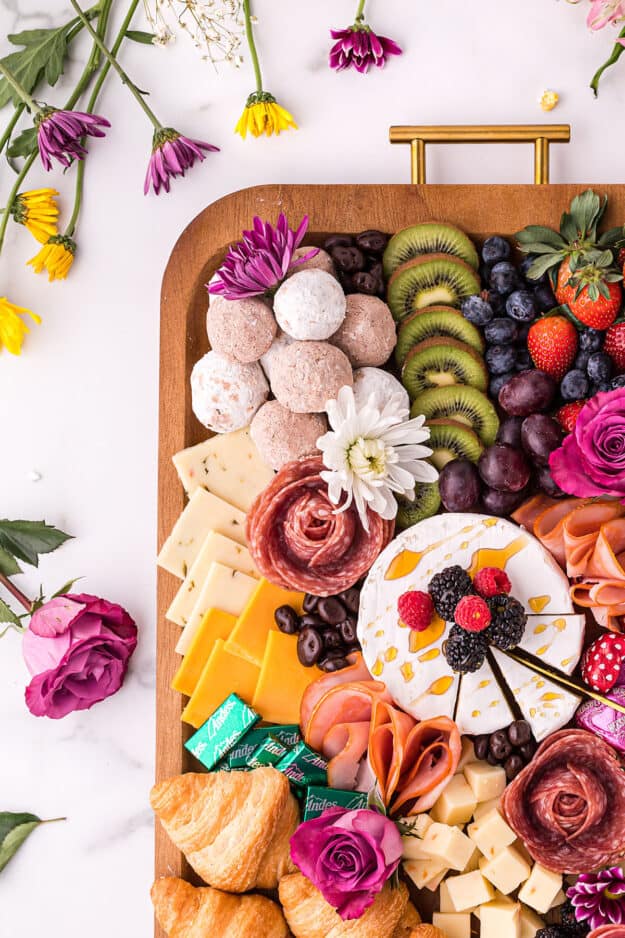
pixel 416 609
pixel 601 664
pixel 472 614
pixel 491 581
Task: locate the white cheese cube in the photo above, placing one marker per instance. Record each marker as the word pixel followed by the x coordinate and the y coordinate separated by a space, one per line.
pixel 448 844
pixel 500 918
pixel 530 922
pixel 203 513
pixel 491 834
pixel 541 888
pixel 444 899
pixel 456 804
pixel 506 870
pixel 467 754
pixel 485 807
pixel 228 465
pixel 520 847
pixel 487 781
pixel 434 884
pixel 498 897
pixel 469 889
pixel 421 872
pixel 453 924
pixel 559 899
pixel 413 849
pixel 225 589
pixel 474 862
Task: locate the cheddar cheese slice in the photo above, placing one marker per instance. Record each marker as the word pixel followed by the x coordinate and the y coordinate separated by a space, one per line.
pixel 223 674
pixel 216 547
pixel 215 625
pixel 228 465
pixel 282 680
pixel 225 589
pixel 249 636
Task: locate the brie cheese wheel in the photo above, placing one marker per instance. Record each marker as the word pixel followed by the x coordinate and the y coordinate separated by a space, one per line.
pixel 412 664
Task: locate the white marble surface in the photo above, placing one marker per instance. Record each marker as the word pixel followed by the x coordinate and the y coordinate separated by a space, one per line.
pixel 80 406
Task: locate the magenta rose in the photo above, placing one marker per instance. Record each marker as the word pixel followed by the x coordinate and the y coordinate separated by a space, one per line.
pixel 348 856
pixel 77 648
pixel 591 460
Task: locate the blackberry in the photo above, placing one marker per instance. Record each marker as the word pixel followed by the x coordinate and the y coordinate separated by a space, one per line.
pixel 447 589
pixel 465 651
pixel 555 931
pixel 508 622
pixel 567 918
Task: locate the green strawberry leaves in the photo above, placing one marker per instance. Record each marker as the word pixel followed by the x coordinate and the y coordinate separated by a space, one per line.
pixel 14 830
pixel 25 541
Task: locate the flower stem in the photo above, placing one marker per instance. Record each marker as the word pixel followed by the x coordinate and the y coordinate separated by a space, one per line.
pixel 6 136
pixel 616 54
pixel 114 50
pixel 120 71
pixel 80 179
pixel 15 592
pixel 360 12
pixel 11 199
pixel 18 89
pixel 53 820
pixel 94 59
pixel 249 32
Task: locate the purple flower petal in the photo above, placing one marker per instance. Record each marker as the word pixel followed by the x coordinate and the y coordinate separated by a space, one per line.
pixel 60 134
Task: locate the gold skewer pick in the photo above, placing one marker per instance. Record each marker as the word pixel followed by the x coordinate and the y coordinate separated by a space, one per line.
pixel 562 680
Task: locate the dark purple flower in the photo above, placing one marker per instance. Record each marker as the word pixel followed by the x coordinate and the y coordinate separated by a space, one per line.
pixel 599 898
pixel 77 648
pixel 359 47
pixel 261 260
pixel 172 155
pixel 60 133
pixel 348 856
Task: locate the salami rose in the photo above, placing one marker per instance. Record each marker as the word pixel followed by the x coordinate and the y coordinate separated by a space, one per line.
pixel 300 541
pixel 568 804
pixel 608 931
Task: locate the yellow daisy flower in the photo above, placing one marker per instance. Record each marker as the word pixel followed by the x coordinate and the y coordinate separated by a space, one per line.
pixel 263 115
pixel 56 256
pixel 38 212
pixel 12 327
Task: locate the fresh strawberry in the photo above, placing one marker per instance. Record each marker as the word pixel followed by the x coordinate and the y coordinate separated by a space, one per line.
pixel 567 415
pixel 552 343
pixel 416 610
pixel 592 292
pixel 621 258
pixel 601 664
pixel 614 345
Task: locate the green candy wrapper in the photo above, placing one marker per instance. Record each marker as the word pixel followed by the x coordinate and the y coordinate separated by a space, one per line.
pixel 221 731
pixel 268 753
pixel 242 752
pixel 319 799
pixel 304 767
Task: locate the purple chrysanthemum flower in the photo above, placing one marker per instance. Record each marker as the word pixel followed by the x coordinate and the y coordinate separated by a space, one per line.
pixel 359 47
pixel 599 898
pixel 261 261
pixel 172 155
pixel 60 133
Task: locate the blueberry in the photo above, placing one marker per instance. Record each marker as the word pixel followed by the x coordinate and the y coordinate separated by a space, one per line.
pixel 574 385
pixel 544 296
pixel 524 330
pixel 523 360
pixel 617 382
pixel 498 302
pixel 477 310
pixel 590 340
pixel 500 359
pixel 581 360
pixel 598 386
pixel 498 382
pixel 484 273
pixel 521 305
pixel 495 249
pixel 501 332
pixel 599 367
pixel 525 265
pixel 504 278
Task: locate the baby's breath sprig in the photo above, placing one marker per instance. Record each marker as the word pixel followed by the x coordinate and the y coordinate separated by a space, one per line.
pixel 215 27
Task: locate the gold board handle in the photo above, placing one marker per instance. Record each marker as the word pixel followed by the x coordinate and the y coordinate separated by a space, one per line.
pixel 541 135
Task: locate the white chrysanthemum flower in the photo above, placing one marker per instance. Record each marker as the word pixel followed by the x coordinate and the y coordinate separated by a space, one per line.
pixel 372 454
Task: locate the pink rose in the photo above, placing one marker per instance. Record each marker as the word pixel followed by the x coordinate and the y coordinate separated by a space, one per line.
pixel 348 856
pixel 77 648
pixel 591 460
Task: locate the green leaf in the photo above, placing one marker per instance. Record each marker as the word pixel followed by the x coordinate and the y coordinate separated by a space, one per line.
pixel 8 564
pixel 542 264
pixel 42 56
pixel 7 615
pixel 14 829
pixel 66 587
pixel 27 539
pixel 24 144
pixel 586 210
pixel 138 35
pixel 568 228
pixel 541 234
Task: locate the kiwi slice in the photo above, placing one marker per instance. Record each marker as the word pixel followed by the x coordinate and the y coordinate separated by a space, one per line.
pixel 432 323
pixel 462 404
pixel 429 238
pixel 452 440
pixel 430 280
pixel 440 362
pixel 425 503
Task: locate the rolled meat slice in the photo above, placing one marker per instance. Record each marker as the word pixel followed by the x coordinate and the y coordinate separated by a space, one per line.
pixel 568 803
pixel 301 541
pixel 390 730
pixel 608 556
pixel 345 703
pixel 607 931
pixel 549 526
pixel 357 671
pixel 431 757
pixel 344 745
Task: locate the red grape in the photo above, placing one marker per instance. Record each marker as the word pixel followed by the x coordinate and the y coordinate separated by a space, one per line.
pixel 501 503
pixel 540 435
pixel 459 485
pixel 504 468
pixel 527 393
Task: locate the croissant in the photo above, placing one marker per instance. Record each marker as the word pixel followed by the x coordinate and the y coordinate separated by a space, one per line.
pixel 407 927
pixel 184 911
pixel 233 827
pixel 310 916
